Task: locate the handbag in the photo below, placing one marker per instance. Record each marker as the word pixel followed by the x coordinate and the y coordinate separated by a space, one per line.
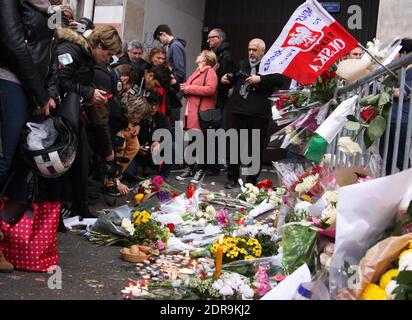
pixel 70 109
pixel 209 119
pixel 30 232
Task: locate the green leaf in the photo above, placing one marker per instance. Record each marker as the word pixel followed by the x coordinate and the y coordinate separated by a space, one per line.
pixel 370 100
pixel 352 126
pixel 376 128
pixel 368 142
pixel 384 98
pixel 386 109
pixel 352 118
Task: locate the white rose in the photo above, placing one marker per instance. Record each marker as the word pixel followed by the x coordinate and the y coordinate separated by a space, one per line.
pixel 302 207
pixel 331 196
pixel 210 210
pixel 251 199
pixel 392 285
pixel 246 291
pixel 218 284
pixel 405 263
pixel 226 291
pixel 249 186
pixel 199 214
pixel 255 190
pixel 201 222
pixel 348 146
pixel 128 226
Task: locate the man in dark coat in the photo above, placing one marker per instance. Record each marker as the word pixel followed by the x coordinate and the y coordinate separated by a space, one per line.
pixel 217 42
pixel 252 110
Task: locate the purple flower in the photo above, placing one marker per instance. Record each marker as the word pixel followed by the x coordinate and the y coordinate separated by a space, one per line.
pixel 222 216
pixel 163 196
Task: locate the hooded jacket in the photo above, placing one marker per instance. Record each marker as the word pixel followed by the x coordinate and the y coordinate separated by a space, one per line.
pixel 226 65
pixel 27 48
pixel 78 76
pixel 176 55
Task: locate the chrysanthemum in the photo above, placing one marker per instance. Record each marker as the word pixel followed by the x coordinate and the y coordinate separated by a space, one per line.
pixel 373 292
pixel 387 277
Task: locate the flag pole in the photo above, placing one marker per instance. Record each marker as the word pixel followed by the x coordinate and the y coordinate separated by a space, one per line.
pixel 382 65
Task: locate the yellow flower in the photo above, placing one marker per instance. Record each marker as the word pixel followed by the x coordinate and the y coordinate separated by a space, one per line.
pixel 306 198
pixel 387 277
pixel 373 292
pixel 410 245
pixel 248 257
pixel 404 252
pixel 258 253
pixel 138 198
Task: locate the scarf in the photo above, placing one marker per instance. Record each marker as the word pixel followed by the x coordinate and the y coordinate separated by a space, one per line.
pixel 253 66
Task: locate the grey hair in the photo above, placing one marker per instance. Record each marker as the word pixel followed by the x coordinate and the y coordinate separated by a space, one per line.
pixel 135 45
pixel 259 42
pixel 220 33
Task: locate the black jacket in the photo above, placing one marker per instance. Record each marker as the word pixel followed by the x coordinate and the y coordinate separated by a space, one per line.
pixel 77 76
pixel 226 65
pixel 35 62
pixel 256 103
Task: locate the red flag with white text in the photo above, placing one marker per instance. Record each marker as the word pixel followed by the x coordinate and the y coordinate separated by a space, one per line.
pixel 309 44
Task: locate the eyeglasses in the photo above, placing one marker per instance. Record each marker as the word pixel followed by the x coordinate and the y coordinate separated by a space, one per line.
pixel 211 37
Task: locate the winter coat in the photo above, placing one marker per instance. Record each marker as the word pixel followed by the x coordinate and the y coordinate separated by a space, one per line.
pixel 27 49
pixel 202 84
pixel 77 76
pixel 176 55
pixel 226 65
pixel 257 103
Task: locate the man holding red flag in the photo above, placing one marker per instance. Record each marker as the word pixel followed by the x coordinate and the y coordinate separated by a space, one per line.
pixel 309 44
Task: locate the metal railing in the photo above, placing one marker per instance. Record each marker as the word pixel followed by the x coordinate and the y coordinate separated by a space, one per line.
pixel 379 157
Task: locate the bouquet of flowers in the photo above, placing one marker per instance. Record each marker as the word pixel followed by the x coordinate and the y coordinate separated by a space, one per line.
pixel 238 248
pixel 255 195
pixel 147 231
pixel 155 186
pixel 266 236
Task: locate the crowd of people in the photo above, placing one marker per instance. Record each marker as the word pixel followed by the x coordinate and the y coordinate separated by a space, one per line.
pixel 114 97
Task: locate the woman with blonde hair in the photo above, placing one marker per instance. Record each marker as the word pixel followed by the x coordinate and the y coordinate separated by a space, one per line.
pixel 200 91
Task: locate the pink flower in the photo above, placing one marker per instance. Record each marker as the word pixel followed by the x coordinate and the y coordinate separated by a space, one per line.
pixel 158 181
pixel 263 288
pixel 160 245
pixel 367 178
pixel 222 216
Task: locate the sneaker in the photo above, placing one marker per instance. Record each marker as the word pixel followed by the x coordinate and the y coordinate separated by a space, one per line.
pixel 200 174
pixel 186 174
pixel 111 191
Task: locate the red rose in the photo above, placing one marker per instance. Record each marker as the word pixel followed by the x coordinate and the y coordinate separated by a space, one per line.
pixel 174 195
pixel 287 97
pixel 369 113
pixel 242 210
pixel 316 170
pixel 171 227
pixel 295 101
pixel 265 184
pixel 333 74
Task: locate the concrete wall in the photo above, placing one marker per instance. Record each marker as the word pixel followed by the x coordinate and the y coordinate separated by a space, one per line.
pixel 185 18
pixel 394 20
